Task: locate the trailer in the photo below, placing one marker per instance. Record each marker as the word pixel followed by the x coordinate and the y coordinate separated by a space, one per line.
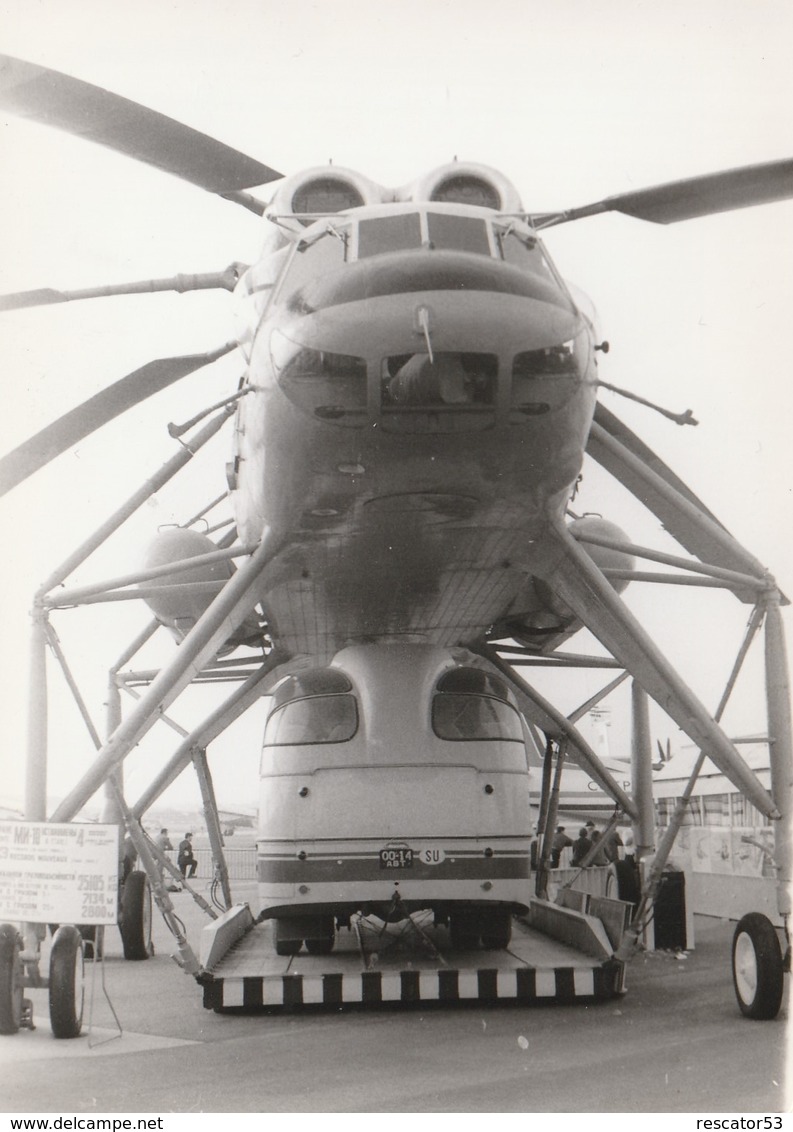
pixel 377 964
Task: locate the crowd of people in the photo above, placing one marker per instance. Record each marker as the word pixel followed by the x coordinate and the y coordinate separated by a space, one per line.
pixel 588 836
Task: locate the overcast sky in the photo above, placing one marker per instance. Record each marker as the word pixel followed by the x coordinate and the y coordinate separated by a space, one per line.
pixel 573 101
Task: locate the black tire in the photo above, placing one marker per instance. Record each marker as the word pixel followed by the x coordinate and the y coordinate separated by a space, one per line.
pixel 285 932
pixel 322 946
pixel 757 967
pixel 497 929
pixel 320 935
pixel 92 940
pixel 135 921
pixel 66 983
pixel 463 931
pixel 288 946
pixel 622 881
pixel 11 973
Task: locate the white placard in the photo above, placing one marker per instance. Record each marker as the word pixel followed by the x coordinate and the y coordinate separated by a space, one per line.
pixel 63 873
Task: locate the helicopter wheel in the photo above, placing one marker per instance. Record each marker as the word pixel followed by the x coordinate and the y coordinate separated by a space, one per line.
pixel 11 972
pixel 66 983
pixel 135 922
pixel 757 967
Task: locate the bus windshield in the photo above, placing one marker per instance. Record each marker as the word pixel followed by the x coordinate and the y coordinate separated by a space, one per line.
pixel 474 717
pixel 318 719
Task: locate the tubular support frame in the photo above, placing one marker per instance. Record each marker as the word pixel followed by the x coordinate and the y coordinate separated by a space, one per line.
pixel 575 579
pixel 214 725
pixel 557 725
pixel 781 749
pixel 213 824
pixel 220 620
pixel 670 506
pixel 641 772
pixel 136 500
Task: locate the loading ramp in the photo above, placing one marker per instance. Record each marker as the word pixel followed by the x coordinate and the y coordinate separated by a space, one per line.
pixel 375 964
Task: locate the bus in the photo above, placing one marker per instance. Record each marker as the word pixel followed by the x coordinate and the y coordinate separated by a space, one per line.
pixel 395 779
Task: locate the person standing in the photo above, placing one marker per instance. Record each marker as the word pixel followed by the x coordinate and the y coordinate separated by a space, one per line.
pixel 129 857
pixel 581 847
pixel 600 857
pixel 163 842
pixel 612 846
pixel 559 842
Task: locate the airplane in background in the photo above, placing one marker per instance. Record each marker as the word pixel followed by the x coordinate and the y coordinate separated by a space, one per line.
pixel 420 391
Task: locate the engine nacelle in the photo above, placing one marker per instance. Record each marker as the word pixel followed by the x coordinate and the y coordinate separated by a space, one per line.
pixel 605 558
pixel 540 620
pixel 324 189
pixel 464 182
pixel 315 192
pixel 185 596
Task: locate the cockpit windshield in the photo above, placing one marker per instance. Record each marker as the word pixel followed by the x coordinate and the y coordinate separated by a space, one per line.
pixel 457 233
pixel 389 234
pixel 319 254
pixel 446 231
pixel 351 258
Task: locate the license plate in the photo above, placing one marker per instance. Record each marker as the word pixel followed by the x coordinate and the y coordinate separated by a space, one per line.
pixel 401 858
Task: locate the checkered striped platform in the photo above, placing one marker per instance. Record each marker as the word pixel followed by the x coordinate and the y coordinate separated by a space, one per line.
pixel 375 988
pixel 533 969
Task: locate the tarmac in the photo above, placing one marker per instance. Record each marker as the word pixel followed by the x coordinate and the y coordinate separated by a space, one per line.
pixel 675 1042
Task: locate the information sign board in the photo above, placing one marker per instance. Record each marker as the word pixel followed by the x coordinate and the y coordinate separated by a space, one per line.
pixel 58 873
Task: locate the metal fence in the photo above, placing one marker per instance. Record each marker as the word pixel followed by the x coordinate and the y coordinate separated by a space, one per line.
pixel 241 863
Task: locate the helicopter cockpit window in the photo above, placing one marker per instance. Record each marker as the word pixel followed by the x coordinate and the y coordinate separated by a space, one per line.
pixel 520 248
pixel 446 230
pixel 318 719
pixel 543 380
pixel 329 385
pixel 389 234
pixel 319 253
pixel 553 361
pixel 448 380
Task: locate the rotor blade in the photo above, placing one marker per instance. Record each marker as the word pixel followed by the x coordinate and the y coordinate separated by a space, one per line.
pixel 695 196
pixel 100 116
pixel 45 296
pixel 683 515
pixel 81 421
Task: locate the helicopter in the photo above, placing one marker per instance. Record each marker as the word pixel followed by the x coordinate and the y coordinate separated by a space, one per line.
pixel 420 391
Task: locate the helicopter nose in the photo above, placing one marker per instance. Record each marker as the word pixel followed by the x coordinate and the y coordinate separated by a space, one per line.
pixel 418 272
pixel 424 341
pixel 441 363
